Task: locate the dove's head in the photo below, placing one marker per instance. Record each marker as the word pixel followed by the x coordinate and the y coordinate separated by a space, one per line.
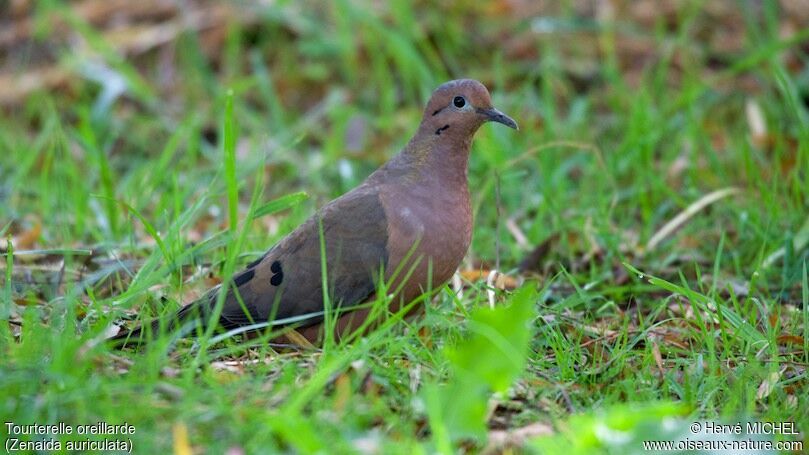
pixel 461 106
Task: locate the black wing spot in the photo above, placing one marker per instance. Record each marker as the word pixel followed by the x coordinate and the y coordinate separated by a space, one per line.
pixel 244 277
pixel 439 130
pixel 278 273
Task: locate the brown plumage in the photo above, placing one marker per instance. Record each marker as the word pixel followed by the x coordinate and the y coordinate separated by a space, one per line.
pixel 414 209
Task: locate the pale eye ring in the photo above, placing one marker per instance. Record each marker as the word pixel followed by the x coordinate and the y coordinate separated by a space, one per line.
pixel 459 102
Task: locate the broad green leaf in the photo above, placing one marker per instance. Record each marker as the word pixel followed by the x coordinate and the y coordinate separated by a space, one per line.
pixel 489 360
pixel 496 351
pixel 456 410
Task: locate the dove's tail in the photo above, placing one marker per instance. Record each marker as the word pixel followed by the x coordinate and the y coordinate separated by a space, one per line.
pixel 151 330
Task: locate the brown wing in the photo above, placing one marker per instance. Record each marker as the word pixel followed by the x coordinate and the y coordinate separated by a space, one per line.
pixel 287 280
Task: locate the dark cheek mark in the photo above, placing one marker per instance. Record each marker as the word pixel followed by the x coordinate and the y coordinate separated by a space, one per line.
pixel 244 277
pixel 437 111
pixel 439 130
pixel 278 273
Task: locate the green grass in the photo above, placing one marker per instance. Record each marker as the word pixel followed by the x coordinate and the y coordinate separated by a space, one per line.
pixel 147 199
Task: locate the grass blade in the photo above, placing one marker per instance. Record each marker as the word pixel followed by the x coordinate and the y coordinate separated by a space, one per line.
pixel 281 203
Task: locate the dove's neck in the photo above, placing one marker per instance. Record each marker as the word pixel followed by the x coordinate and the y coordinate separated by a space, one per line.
pixel 433 161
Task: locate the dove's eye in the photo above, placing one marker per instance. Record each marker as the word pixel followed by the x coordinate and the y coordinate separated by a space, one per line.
pixel 459 102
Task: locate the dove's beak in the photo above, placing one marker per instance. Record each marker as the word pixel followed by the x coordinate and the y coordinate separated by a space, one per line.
pixel 493 115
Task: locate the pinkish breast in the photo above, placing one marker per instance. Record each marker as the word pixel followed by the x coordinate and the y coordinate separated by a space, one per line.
pixel 438 222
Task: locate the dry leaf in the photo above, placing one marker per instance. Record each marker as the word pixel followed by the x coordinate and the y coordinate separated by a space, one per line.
pixel 766 387
pixel 232 366
pixel 682 217
pixel 27 239
pixel 656 353
pixel 790 339
pixel 296 338
pixel 756 123
pixel 181 444
pixel 503 281
pixel 342 387
pixel 501 439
